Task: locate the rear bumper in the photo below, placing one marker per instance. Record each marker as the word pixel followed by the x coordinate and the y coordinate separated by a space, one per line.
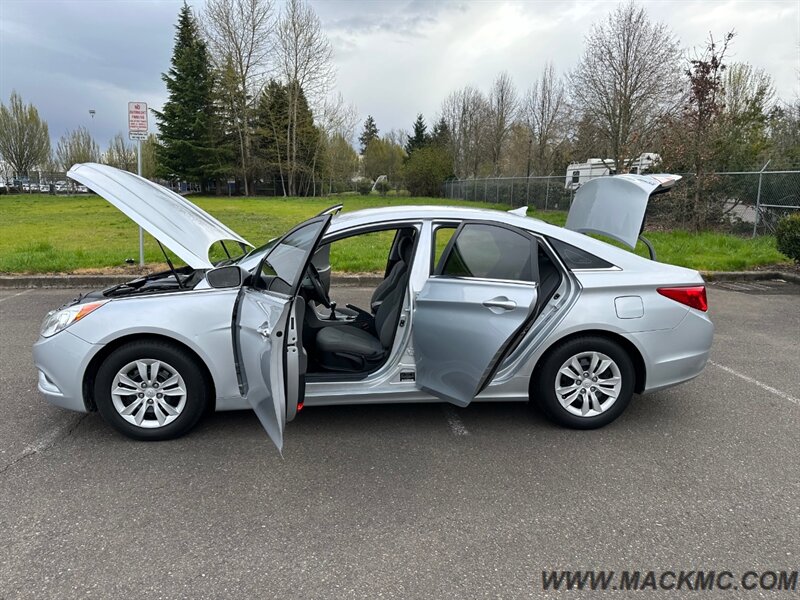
pixel 61 361
pixel 678 355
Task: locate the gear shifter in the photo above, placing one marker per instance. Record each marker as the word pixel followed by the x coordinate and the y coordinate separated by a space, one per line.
pixel 332 316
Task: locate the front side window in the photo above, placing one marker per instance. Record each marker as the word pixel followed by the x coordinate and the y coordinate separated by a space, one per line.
pixel 288 257
pixel 491 252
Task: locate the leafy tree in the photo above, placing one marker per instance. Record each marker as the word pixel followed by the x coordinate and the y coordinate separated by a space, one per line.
pixel 419 137
pixel 369 134
pixel 784 125
pixel 121 154
pixel 286 139
pixel 150 157
pixel 341 163
pixel 427 169
pixel 186 149
pixel 75 147
pixel 383 157
pixel 24 138
pixel 743 138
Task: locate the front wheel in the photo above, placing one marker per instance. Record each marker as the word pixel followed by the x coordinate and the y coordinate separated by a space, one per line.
pixel 150 390
pixel 585 383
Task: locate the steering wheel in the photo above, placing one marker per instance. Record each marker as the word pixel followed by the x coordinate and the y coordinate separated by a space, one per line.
pixel 319 289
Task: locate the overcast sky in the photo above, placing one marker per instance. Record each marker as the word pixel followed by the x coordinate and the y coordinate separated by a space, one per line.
pixel 393 58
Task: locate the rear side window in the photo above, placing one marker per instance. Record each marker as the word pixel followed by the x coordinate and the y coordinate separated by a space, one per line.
pixel 575 258
pixel 490 252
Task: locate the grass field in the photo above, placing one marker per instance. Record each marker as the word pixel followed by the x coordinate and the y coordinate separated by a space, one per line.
pixel 46 234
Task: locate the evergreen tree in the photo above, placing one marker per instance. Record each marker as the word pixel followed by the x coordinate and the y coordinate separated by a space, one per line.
pixel 186 149
pixel 419 138
pixel 441 133
pixel 370 133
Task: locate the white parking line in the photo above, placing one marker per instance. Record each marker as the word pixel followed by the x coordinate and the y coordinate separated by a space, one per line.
pixel 15 295
pixel 763 386
pixel 454 421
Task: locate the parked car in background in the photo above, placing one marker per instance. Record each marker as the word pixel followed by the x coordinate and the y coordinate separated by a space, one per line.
pixel 475 305
pixel 62 187
pixel 82 189
pixel 44 188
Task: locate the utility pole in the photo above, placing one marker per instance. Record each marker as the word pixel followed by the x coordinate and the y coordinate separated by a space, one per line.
pixel 530 147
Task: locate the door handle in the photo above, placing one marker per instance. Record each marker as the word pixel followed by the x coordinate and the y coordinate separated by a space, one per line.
pixel 500 302
pixel 264 330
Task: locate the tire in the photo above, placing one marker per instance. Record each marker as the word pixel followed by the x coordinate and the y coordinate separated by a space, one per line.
pixel 173 402
pixel 610 396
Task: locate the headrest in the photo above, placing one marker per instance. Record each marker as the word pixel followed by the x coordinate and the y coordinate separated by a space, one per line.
pixel 404 248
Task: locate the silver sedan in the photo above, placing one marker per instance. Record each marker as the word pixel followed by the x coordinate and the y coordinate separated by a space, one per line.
pixel 475 305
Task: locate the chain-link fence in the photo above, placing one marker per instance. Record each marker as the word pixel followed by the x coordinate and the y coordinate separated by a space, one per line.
pixel 740 202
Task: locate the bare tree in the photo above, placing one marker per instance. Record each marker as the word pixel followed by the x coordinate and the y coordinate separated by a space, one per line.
pixel 545 111
pixel 24 139
pixel 121 154
pixel 465 112
pixel 304 58
pixel 626 80
pixel 77 146
pixel 239 34
pixel 336 121
pixel 502 112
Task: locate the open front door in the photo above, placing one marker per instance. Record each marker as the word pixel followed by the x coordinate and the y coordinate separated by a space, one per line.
pixel 474 309
pixel 267 330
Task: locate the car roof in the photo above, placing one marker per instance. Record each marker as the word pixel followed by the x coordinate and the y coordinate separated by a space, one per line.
pixel 388 214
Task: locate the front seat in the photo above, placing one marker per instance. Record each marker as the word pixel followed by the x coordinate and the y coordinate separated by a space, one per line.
pixel 398 270
pixel 350 349
pixel 404 247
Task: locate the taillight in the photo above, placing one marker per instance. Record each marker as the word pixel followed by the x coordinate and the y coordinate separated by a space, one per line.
pixel 694 296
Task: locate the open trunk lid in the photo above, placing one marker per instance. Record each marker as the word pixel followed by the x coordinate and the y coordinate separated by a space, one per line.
pixel 170 218
pixel 615 206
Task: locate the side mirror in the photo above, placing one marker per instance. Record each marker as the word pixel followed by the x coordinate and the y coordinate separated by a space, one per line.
pixel 229 276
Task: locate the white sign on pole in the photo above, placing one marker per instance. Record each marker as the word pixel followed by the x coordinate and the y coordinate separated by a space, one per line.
pixel 137 130
pixel 137 117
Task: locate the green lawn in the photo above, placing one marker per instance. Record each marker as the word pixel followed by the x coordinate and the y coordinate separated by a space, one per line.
pixel 46 234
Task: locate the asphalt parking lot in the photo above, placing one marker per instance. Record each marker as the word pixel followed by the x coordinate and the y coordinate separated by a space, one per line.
pixel 408 501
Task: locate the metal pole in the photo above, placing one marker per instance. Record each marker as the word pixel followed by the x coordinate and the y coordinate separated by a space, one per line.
pixel 139 171
pixel 758 197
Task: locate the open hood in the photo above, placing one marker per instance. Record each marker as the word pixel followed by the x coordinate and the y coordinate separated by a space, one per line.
pixel 615 206
pixel 170 218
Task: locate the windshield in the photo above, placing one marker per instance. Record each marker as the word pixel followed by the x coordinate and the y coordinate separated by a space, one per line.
pixel 256 253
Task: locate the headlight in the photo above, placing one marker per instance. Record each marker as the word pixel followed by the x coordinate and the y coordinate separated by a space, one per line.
pixel 56 320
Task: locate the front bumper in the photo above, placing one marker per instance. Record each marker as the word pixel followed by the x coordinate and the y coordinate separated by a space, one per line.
pixel 677 355
pixel 61 361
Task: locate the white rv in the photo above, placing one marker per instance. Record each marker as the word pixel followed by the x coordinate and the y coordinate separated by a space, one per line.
pixel 580 173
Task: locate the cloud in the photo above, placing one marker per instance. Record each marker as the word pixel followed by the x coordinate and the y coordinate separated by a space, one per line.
pixel 393 58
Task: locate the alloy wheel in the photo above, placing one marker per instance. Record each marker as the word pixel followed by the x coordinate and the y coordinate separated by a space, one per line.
pixel 148 393
pixel 588 384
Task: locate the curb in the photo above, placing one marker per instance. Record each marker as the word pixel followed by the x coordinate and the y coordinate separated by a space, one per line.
pixel 749 276
pixel 361 280
pixel 104 281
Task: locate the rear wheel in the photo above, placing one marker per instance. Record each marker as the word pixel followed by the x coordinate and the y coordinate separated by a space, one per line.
pixel 585 383
pixel 150 390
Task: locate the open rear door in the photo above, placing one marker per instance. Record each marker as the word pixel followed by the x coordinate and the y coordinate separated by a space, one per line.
pixel 267 330
pixel 474 309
